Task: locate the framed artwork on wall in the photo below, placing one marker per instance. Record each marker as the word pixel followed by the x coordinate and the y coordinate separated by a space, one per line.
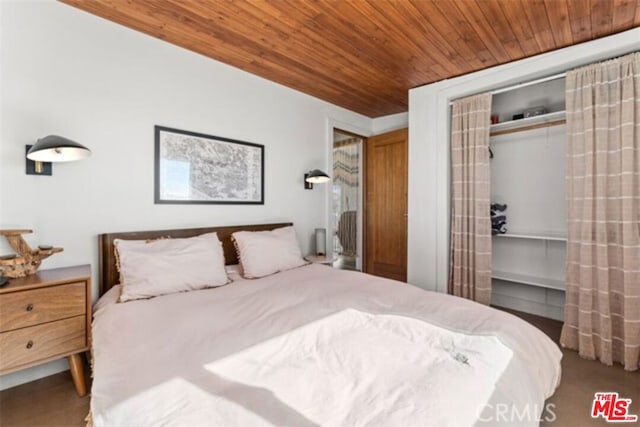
pixel 196 168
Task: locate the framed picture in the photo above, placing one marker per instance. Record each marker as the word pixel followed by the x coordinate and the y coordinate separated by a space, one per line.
pixel 193 167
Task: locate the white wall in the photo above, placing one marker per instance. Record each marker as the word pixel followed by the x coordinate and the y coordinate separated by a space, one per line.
pixel 428 246
pixel 70 73
pixel 389 123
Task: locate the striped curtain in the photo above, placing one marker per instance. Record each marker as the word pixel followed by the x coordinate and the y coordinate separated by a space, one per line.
pixel 470 269
pixel 345 175
pixel 602 309
pixel 345 166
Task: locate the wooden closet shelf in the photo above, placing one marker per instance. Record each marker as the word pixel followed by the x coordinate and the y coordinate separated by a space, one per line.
pixel 542 121
pixel 530 127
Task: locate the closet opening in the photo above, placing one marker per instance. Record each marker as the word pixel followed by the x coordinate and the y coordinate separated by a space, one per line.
pixel 524 182
pixel 346 200
pixel 529 215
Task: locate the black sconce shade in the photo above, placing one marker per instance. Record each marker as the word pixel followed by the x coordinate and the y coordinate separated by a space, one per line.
pixel 316 176
pixel 54 148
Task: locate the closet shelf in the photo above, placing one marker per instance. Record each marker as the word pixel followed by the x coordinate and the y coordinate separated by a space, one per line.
pixel 543 282
pixel 542 121
pixel 550 236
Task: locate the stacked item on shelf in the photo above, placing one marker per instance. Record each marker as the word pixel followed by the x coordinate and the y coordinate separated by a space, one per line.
pixel 498 218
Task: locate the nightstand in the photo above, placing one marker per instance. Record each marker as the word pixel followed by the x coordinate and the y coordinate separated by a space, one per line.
pixel 44 317
pixel 326 260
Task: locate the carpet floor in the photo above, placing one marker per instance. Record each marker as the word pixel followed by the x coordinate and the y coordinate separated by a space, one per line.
pixel 581 379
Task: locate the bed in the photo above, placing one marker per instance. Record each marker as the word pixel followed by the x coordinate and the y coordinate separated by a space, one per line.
pixel 311 346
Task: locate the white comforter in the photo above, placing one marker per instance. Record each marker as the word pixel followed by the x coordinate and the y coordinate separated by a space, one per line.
pixel 315 346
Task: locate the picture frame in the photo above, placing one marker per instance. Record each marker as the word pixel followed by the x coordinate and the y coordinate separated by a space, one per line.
pixel 196 168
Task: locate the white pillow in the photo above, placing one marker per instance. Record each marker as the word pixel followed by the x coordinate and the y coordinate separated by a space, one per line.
pixel 166 266
pixel 266 252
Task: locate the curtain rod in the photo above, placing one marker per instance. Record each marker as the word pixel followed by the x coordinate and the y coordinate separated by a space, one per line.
pixel 525 84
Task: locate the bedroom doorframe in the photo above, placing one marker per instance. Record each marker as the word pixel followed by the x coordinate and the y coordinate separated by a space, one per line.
pixel 360 205
pixel 332 125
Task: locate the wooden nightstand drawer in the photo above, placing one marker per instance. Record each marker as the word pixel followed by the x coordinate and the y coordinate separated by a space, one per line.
pixel 24 346
pixel 46 316
pixel 36 306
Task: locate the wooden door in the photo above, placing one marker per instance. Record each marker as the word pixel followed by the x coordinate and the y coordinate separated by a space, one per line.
pixel 386 170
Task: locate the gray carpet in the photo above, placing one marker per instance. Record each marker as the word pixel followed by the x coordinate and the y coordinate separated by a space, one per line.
pixel 581 379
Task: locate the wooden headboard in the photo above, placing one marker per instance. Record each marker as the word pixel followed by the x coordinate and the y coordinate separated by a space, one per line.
pixel 109 275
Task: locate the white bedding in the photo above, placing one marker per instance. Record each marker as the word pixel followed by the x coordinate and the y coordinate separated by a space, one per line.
pixel 315 346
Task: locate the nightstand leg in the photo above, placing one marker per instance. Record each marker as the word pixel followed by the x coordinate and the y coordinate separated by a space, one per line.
pixel 77 373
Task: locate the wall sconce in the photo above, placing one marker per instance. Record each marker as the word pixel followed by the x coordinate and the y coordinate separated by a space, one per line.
pixel 315 176
pixel 53 148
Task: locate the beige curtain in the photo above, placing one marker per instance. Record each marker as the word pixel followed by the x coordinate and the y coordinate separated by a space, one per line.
pixel 602 309
pixel 470 269
pixel 346 175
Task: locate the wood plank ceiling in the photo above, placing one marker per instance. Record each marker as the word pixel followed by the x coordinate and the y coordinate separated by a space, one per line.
pixel 366 55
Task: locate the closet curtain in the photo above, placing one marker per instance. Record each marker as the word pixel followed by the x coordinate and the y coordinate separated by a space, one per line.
pixel 602 309
pixel 470 269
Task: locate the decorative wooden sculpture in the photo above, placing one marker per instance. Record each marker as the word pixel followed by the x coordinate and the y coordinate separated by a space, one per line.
pixel 26 261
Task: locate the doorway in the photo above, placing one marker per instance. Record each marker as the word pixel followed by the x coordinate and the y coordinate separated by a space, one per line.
pixel 346 202
pixel 386 205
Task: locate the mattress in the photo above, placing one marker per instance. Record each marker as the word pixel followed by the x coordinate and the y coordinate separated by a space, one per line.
pixel 316 346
